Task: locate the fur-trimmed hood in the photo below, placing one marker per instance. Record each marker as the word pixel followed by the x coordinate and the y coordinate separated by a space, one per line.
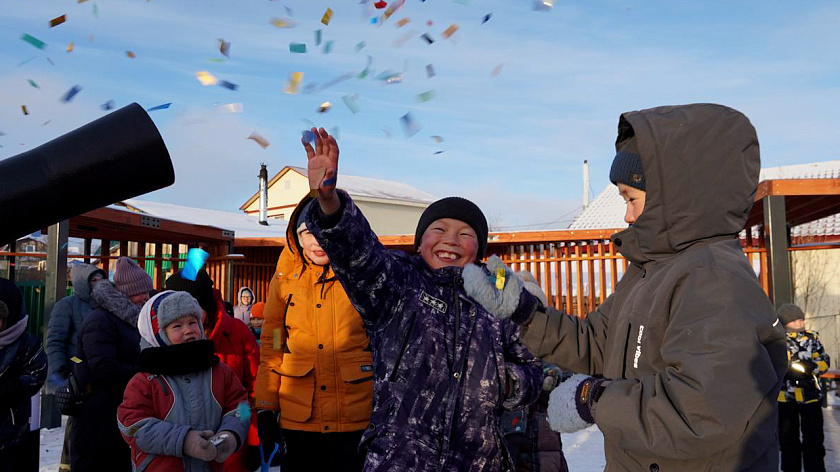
pixel 106 295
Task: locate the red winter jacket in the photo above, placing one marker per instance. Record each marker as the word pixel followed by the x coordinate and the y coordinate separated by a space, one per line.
pixel 236 346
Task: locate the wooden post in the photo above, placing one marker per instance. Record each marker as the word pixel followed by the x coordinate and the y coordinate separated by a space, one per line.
pixel 56 288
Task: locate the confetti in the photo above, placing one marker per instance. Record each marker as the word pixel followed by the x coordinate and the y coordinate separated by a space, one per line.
pixel 327 16
pixel 50 61
pixel 275 339
pixel 328 47
pixel 259 140
pixel 325 107
pixel 426 96
pixel 81 1
pixel 71 93
pixel 438 152
pixel 449 31
pixel 394 79
pixel 404 38
pixel 228 85
pixel 231 108
pixel 437 139
pixel 46 123
pixel 58 20
pixel 367 70
pixel 283 22
pixel 24 110
pixel 543 5
pixel 160 107
pixel 428 38
pixel 70 47
pixel 32 83
pixel 130 54
pixel 109 105
pixel 496 70
pixel 360 45
pixel 486 18
pixel 307 136
pixel 34 41
pixel 391 10
pixel 243 411
pixel 289 11
pixel 317 37
pixel 224 47
pixel 195 261
pixel 206 78
pixel 402 22
pixel 96 10
pixel 373 20
pixel 350 101
pixel 409 125
pixel 26 61
pixel 294 83
pixel 429 23
pixel 430 71
pixel 380 5
pixel 329 84
pixel 500 278
pixel 297 48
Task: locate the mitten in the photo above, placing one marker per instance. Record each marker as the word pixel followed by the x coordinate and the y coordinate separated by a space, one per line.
pixel 570 404
pixel 225 442
pixel 499 290
pixel 197 444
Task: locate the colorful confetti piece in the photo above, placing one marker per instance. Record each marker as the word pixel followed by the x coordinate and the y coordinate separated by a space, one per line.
pixel 228 85
pixel 95 10
pixel 350 101
pixel 325 107
pixel 283 22
pixel 33 41
pixel 543 5
pixel 243 411
pixel 231 108
pixel 410 126
pixel 294 83
pixel 297 48
pixel 486 18
pixel 426 96
pixel 24 110
pixel 449 31
pixel 437 139
pixel 71 93
pixel 109 105
pixel 58 20
pixel 70 47
pixel 130 54
pixel 259 140
pixel 427 38
pixel 328 46
pixel 206 78
pixel 430 71
pixel 360 45
pixel 160 107
pixel 403 22
pixel 275 339
pixel 380 4
pixel 496 70
pixel 32 83
pixel 195 261
pixel 318 34
pixel 327 16
pixel 224 47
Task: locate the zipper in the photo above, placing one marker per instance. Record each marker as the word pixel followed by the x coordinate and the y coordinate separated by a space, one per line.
pixel 624 357
pixel 405 342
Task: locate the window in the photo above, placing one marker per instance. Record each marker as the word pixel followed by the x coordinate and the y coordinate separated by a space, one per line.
pixel 29 248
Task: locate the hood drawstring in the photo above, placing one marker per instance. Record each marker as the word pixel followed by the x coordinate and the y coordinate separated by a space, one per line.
pixel 323 279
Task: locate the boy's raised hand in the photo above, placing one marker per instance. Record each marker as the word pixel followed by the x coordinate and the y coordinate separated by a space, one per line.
pixel 322 167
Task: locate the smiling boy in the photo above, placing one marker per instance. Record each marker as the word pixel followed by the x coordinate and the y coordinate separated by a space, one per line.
pixel 444 368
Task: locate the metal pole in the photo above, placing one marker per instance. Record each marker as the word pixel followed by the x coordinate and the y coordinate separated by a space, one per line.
pixel 585 184
pixel 778 260
pixel 55 290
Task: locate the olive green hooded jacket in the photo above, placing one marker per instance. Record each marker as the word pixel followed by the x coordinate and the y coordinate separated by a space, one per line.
pixel 690 341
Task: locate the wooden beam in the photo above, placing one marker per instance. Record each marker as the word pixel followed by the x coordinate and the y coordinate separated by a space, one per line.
pixel 789 187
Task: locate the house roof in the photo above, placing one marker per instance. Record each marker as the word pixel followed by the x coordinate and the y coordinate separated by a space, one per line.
pixel 361 187
pixel 243 225
pixel 607 210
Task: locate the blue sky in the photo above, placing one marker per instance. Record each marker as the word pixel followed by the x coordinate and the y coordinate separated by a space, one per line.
pixel 514 143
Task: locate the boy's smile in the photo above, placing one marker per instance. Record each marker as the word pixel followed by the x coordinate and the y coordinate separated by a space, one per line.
pixel 448 242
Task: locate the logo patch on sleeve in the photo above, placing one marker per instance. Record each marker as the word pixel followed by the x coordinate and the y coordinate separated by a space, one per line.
pixel 366 368
pixel 433 302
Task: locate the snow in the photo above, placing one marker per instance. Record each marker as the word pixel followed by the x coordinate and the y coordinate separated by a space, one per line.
pixel 374 188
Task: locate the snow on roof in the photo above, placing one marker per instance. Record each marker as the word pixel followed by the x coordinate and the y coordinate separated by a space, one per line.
pixel 375 188
pixel 607 210
pixel 243 225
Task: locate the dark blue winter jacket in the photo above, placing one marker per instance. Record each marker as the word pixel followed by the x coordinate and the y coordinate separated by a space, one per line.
pixel 439 387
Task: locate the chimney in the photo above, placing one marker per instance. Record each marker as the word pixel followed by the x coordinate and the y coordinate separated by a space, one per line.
pixel 263 195
pixel 585 184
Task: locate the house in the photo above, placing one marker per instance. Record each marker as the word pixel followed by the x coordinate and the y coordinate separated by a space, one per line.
pixel 390 207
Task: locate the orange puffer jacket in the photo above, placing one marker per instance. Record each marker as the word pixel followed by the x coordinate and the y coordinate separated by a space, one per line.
pixel 315 359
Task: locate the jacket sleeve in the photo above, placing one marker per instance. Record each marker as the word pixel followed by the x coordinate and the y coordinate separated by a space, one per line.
pixel 522 368
pixel 23 379
pixel 819 357
pixel 251 355
pixel 722 357
pixel 141 428
pixel 266 392
pixel 370 274
pixel 100 341
pixel 232 419
pixel 58 333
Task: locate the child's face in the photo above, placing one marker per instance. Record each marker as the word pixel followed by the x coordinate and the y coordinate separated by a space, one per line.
pixel 183 330
pixel 312 249
pixel 256 322
pixel 448 242
pixel 635 200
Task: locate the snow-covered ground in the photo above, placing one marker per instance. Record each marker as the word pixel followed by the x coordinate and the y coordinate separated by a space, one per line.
pixel 584 450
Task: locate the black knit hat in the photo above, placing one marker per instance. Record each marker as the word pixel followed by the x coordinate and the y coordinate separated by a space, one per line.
pixel 456 208
pixel 201 289
pixel 789 313
pixel 627 166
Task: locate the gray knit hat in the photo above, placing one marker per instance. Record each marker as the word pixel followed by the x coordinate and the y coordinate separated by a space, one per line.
pixel 174 306
pixel 130 279
pixel 789 313
pixel 627 166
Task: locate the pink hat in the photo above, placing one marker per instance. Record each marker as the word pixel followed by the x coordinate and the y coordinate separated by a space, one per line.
pixel 130 279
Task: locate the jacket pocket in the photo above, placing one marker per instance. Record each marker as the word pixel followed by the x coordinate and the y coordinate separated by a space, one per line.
pixel 357 398
pixel 297 388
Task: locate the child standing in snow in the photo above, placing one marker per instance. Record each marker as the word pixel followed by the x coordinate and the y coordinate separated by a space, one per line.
pixel 444 368
pixel 181 411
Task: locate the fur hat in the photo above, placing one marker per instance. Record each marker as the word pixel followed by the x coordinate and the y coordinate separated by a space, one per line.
pixel 130 279
pixel 789 313
pixel 201 289
pixel 627 166
pixel 257 310
pixel 161 310
pixel 456 208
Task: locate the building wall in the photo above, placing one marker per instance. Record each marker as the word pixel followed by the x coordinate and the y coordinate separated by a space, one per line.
pixel 816 276
pixel 390 219
pixel 286 192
